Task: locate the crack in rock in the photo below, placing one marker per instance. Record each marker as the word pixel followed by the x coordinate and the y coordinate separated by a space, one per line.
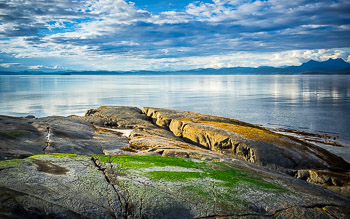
pixel 125 208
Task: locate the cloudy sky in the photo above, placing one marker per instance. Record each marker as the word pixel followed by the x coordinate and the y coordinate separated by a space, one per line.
pixel 170 35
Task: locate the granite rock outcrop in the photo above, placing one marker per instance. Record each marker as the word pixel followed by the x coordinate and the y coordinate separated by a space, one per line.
pixel 124 162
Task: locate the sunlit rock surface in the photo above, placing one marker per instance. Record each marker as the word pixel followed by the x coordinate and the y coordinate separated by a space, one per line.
pixel 246 141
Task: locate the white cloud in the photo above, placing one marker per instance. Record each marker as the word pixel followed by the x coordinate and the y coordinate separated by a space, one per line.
pixel 27 17
pixel 57 24
pixel 35 67
pixel 23 48
pixel 224 33
pixel 8 65
pixel 169 17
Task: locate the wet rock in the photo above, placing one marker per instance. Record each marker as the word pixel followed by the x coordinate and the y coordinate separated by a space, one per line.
pixel 335 181
pixel 60 186
pixel 19 138
pixel 22 137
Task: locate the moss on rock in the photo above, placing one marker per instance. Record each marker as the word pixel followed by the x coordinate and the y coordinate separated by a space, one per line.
pixel 12 134
pixel 62 155
pixel 191 180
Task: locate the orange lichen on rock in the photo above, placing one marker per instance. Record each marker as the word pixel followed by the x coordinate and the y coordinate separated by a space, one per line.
pixel 247 132
pixel 247 141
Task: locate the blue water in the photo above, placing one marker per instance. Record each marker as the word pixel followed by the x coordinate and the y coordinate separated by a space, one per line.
pixel 311 103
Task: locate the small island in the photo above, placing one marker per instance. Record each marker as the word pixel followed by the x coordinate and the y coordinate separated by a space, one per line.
pixel 124 162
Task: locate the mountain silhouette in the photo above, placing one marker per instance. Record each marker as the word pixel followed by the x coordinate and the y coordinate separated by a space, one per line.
pixel 330 64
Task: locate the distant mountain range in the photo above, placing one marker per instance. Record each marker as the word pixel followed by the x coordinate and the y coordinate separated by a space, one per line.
pixel 331 66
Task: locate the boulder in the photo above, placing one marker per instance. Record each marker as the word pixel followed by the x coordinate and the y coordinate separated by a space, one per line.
pixel 124 117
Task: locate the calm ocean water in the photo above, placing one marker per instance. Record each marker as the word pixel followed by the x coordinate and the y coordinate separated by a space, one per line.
pixel 310 103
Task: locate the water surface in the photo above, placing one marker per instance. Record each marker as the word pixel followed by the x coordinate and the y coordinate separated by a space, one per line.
pixel 308 102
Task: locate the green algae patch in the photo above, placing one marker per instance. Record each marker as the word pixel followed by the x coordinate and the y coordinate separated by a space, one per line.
pixel 231 178
pixel 219 185
pixel 225 175
pixel 173 175
pixel 4 164
pixel 58 155
pixel 15 133
pixel 135 161
pixel 12 134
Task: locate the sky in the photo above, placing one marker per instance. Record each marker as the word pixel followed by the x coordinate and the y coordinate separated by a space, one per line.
pixel 117 35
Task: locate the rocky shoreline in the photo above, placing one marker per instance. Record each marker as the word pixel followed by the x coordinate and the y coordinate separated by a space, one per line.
pixel 124 162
